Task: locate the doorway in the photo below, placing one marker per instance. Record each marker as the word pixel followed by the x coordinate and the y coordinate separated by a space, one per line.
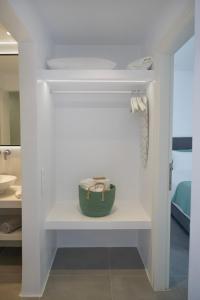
pixel 181 166
pixel 10 164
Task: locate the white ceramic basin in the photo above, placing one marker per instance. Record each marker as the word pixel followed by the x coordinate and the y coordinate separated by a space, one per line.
pixel 6 181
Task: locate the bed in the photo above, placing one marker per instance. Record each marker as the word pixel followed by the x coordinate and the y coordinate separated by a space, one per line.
pixel 181 181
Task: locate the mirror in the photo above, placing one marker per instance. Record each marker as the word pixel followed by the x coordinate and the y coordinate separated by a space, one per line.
pixel 9 101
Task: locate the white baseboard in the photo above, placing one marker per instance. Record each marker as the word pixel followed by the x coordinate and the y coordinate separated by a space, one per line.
pixel 39 295
pixel 145 267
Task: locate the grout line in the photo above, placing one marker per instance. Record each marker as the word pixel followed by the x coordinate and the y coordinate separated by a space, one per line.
pixel 110 273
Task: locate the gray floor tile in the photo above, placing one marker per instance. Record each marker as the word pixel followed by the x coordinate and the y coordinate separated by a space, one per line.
pixel 81 259
pixel 183 293
pixel 139 288
pixel 125 259
pixel 100 273
pixel 131 287
pixel 77 288
pixel 128 272
pixel 10 278
pixel 83 272
pixel 178 282
pixel 10 291
pixel 174 294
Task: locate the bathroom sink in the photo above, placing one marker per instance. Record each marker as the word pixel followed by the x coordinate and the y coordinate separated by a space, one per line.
pixel 6 181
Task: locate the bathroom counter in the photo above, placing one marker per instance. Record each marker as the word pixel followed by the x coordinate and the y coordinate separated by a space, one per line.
pixel 9 199
pixel 13 236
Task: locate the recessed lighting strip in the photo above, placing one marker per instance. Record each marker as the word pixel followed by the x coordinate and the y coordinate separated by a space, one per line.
pixel 93 92
pixel 95 81
pixel 8 43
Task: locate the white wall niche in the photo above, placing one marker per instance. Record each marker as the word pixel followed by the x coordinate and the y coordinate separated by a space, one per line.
pixel 96 134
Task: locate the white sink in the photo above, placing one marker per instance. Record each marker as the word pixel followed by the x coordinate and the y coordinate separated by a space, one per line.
pixel 6 181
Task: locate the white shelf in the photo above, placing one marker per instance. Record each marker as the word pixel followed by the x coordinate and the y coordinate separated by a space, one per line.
pixel 9 199
pixel 105 81
pixel 65 216
pixel 13 236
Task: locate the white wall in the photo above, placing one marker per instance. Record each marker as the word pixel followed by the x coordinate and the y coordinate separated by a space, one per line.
pixel 36 153
pixel 97 238
pixel 9 82
pixel 96 135
pixel 194 260
pixel 46 155
pixel 166 40
pixel 93 141
pixel 182 105
pixel 146 188
pixel 34 47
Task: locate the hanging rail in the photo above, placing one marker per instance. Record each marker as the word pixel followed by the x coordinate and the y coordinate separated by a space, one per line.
pixel 136 92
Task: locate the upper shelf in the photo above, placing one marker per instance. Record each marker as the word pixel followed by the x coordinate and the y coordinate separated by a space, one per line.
pixel 95 81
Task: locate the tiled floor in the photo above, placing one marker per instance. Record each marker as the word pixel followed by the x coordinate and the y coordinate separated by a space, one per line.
pixel 87 274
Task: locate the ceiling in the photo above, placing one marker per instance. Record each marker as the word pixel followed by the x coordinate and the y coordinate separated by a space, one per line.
pixel 9 64
pixel 105 21
pixel 184 57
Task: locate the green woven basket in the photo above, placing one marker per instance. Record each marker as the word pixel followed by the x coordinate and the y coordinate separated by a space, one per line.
pixel 96 204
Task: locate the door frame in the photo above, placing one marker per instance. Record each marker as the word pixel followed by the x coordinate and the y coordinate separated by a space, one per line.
pixel 178 34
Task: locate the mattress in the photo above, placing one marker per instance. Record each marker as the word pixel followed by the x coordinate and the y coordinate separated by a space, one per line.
pixel 182 197
pixel 181 187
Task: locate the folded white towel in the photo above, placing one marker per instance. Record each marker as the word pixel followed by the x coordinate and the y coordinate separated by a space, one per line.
pixel 18 195
pixel 95 184
pixel 18 192
pixel 144 63
pixel 11 224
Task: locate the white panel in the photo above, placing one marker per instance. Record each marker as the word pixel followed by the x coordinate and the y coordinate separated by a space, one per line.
pixel 146 179
pixel 125 215
pixel 36 119
pixel 106 238
pixel 146 188
pixel 194 261
pixel 96 141
pixel 46 178
pixel 145 250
